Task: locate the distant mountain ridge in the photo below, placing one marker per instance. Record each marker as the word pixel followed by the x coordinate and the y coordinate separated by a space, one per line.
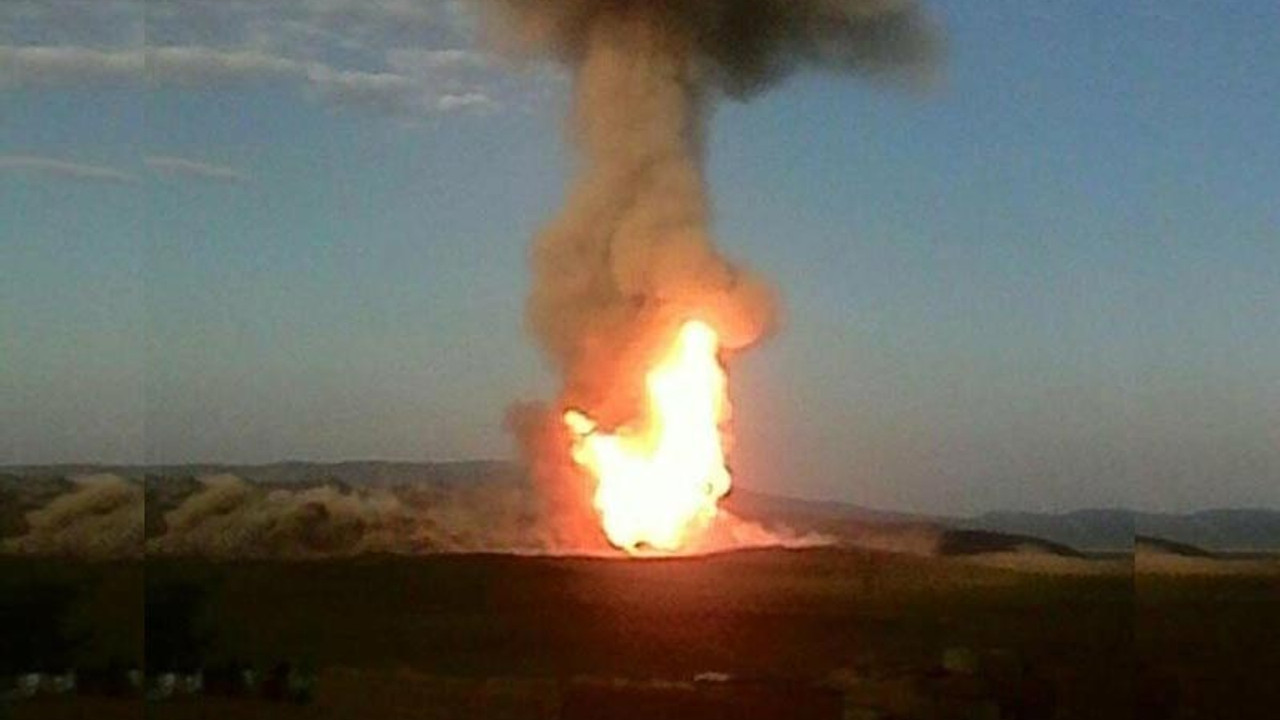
pixel 1095 529
pixel 1223 530
pixel 1241 529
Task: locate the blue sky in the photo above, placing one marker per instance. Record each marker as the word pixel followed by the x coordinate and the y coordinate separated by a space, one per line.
pixel 298 230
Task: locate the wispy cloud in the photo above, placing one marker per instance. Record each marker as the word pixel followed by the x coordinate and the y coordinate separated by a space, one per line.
pixel 393 92
pixel 199 67
pixel 60 66
pixel 416 60
pixel 161 165
pixel 36 165
pixel 399 58
pixel 477 101
pixel 384 92
pixel 170 166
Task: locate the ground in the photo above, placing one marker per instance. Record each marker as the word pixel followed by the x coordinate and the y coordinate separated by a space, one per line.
pixel 475 636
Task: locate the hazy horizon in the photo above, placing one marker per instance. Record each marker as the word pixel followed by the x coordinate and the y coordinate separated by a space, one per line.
pixel 516 463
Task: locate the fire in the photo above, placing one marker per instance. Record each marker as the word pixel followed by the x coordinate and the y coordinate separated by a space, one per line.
pixel 657 483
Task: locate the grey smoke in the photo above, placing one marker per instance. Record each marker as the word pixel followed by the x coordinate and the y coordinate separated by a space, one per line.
pixel 740 46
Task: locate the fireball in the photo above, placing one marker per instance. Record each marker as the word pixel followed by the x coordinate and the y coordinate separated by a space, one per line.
pixel 658 480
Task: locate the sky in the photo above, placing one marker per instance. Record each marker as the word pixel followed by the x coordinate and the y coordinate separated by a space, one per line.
pixel 264 230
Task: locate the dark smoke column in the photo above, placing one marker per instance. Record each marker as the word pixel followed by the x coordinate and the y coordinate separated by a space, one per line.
pixel 630 255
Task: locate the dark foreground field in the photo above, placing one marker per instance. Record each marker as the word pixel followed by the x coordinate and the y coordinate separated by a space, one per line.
pixel 815 633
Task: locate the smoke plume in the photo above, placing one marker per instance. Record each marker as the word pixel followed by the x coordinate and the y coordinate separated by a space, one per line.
pixel 100 517
pixel 229 517
pixel 630 255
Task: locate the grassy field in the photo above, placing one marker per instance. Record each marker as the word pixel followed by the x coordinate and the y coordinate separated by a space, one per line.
pixel 1210 645
pixel 512 637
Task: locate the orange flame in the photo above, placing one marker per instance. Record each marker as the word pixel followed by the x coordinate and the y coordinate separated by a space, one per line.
pixel 658 484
